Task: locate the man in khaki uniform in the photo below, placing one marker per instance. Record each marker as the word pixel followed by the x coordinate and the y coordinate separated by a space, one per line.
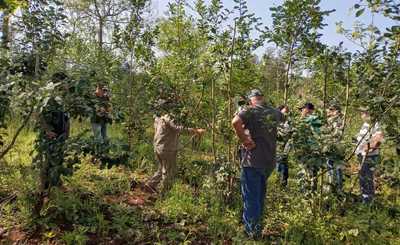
pixel 166 139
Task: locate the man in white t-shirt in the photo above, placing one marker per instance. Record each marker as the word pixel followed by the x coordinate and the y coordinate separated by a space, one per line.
pixel 369 141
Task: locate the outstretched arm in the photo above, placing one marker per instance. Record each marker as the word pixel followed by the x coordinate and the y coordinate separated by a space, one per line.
pixel 198 131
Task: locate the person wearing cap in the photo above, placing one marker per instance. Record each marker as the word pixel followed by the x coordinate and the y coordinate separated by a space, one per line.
pixel 369 140
pixel 334 130
pixel 166 138
pixel 313 125
pixel 307 114
pixel 101 115
pixel 258 156
pixel 284 135
pixel 242 103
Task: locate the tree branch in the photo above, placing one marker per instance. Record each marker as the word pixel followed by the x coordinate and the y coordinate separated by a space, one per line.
pixel 19 130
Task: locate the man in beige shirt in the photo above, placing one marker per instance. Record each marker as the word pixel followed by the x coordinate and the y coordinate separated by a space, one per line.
pixel 166 140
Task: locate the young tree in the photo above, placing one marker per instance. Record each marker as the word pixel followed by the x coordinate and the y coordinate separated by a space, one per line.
pixel 272 68
pixel 295 28
pixel 8 8
pixel 40 30
pixel 39 35
pixel 136 40
pixel 376 67
pixel 180 67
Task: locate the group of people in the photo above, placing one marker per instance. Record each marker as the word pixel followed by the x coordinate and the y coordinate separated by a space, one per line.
pixel 367 141
pixel 54 123
pixel 258 127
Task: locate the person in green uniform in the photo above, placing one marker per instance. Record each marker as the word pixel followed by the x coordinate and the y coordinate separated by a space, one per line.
pixel 312 127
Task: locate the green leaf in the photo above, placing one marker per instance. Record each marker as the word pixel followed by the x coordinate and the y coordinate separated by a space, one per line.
pixel 360 12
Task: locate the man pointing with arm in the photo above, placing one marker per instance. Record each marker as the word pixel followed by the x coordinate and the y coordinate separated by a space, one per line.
pixel 166 138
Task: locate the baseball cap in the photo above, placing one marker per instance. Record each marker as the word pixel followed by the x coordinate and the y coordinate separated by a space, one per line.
pixel 334 106
pixel 307 105
pixel 254 93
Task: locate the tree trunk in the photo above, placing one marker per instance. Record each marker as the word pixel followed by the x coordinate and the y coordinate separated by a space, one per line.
pixel 131 104
pixel 214 151
pixel 278 82
pixel 230 89
pixel 347 98
pixel 35 53
pixel 100 33
pixel 6 34
pixel 37 64
pixel 17 133
pixel 325 85
pixel 287 80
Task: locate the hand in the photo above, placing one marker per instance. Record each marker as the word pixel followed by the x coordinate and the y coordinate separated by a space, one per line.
pixel 249 144
pixel 51 135
pixel 200 131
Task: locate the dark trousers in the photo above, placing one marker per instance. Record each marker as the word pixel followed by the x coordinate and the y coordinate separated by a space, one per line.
pixel 308 179
pixel 283 170
pixel 335 174
pixel 253 187
pixel 366 176
pixel 51 168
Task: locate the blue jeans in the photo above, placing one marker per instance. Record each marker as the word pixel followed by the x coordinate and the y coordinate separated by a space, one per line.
pixel 366 176
pixel 100 131
pixel 253 186
pixel 335 174
pixel 283 170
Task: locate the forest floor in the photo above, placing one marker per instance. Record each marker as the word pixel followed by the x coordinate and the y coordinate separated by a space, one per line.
pixel 99 205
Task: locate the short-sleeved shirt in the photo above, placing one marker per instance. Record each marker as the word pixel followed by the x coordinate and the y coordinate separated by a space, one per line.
pixel 166 134
pixel 262 123
pixel 364 137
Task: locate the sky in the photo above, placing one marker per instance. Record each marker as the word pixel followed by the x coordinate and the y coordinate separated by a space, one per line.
pixel 330 36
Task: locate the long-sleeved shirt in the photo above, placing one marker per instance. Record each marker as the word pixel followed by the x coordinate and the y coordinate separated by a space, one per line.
pixel 54 119
pixel 166 134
